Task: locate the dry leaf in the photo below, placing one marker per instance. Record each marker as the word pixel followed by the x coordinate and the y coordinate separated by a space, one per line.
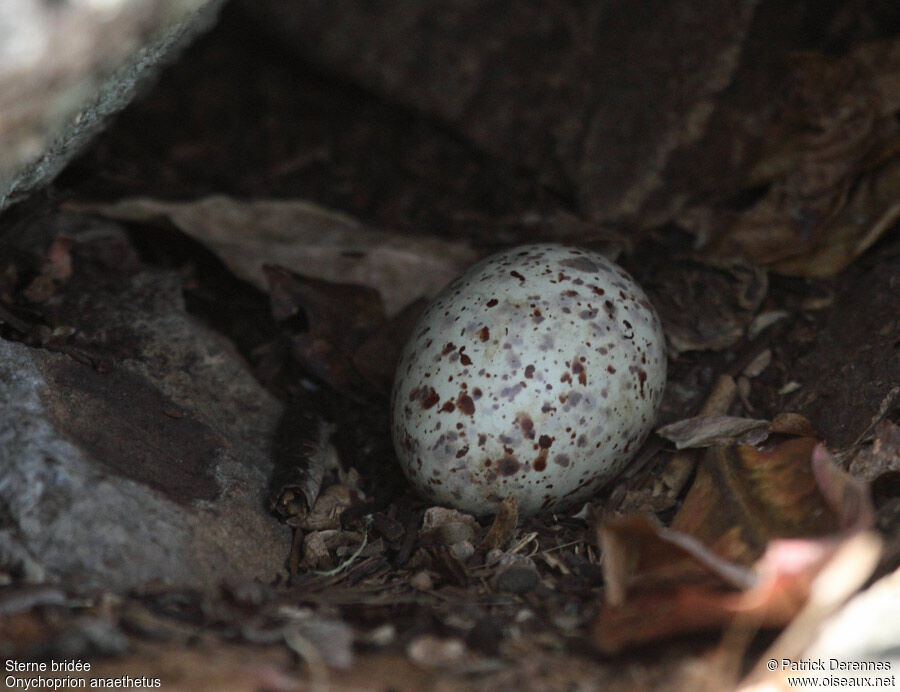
pixel 705 304
pixel 334 320
pixel 306 239
pixel 640 554
pixel 743 497
pixel 445 526
pixel 785 576
pixel 882 456
pixel 707 431
pixel 752 536
pixel 831 166
pixel 792 424
pixel 377 356
pixel 301 452
pixel 503 526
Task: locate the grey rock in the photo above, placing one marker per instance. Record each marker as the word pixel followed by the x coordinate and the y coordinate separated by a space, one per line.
pixel 155 471
pixel 67 66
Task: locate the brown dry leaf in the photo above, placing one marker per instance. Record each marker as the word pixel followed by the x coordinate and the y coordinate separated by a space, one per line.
pixel 705 304
pixel 786 423
pixel 503 526
pixel 782 511
pixel 307 239
pixel 784 577
pixel 640 554
pixel 743 497
pixel 831 163
pixel 336 319
pixel 708 431
pixel 445 526
pixel 377 356
pixel 882 456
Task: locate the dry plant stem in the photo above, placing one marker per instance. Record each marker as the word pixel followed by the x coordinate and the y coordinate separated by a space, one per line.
pixel 886 404
pixel 346 563
pixel 888 219
pixel 294 558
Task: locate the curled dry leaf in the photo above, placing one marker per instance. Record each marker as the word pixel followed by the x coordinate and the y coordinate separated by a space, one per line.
pixel 306 239
pixel 302 451
pixel 754 531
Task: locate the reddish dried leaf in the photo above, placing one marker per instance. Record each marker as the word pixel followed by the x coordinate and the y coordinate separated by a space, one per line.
pixel 743 497
pixel 652 616
pixel 784 511
pixel 639 554
pixel 784 576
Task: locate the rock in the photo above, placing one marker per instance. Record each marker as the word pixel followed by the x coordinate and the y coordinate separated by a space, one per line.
pixel 519 577
pixel 67 66
pixel 154 470
pixel 597 98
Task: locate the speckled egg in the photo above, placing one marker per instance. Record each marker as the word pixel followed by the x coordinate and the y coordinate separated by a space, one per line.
pixel 537 373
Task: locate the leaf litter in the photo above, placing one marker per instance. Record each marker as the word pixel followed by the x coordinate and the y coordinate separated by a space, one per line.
pixel 763 519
